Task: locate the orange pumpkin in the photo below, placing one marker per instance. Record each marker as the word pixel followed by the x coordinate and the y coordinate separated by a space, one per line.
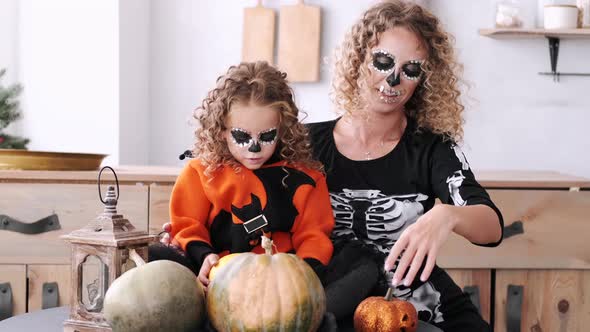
pixel 222 261
pixel 385 314
pixel 271 292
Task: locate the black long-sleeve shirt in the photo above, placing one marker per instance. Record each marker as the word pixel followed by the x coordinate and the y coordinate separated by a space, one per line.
pixel 375 200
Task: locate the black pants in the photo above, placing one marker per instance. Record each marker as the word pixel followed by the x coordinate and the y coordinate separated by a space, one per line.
pixel 355 273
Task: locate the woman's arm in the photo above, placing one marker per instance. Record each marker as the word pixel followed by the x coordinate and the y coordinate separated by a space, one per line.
pixel 477 223
pixel 467 210
pixel 422 240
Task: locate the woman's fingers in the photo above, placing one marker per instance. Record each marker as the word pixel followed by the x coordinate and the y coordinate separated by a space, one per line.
pixel 430 261
pixel 404 263
pixel 415 266
pixel 395 252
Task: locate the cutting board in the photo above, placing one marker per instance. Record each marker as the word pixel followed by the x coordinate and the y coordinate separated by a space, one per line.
pixel 259 34
pixel 299 42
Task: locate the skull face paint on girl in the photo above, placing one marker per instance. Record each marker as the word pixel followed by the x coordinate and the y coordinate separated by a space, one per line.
pixel 252 133
pixel 243 138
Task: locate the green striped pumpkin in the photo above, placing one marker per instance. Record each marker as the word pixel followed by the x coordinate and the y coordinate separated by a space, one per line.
pixel 263 292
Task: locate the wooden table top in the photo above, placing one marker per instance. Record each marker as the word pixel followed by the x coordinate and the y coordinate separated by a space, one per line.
pixel 166 174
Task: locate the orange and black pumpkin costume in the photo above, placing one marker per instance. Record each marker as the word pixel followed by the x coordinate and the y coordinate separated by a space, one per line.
pixel 208 212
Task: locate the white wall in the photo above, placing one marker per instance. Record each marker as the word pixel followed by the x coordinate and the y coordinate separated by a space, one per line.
pixel 519 119
pixel 134 82
pixel 194 42
pixel 516 119
pixel 68 64
pixel 122 77
pixel 8 47
pixel 8 33
pixel 85 69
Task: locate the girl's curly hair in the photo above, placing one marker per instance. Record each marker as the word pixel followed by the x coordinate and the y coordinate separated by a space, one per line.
pixel 435 103
pixel 261 84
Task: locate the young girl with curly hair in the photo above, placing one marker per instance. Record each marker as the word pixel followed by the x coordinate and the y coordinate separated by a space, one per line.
pixel 388 157
pixel 252 173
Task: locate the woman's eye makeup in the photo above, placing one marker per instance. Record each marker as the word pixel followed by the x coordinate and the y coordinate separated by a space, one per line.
pixel 412 70
pixel 268 136
pixel 383 61
pixel 242 137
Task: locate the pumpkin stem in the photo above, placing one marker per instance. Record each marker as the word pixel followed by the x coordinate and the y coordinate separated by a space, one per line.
pixel 389 294
pixel 136 258
pixel 266 245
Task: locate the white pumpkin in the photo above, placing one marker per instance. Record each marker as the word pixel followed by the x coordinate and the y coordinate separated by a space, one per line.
pixel 157 296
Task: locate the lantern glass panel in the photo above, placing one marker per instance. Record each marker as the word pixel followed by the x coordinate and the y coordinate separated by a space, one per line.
pixel 127 263
pixel 94 283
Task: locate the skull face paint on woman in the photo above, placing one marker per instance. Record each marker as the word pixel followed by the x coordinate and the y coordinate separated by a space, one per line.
pixel 252 133
pixel 395 65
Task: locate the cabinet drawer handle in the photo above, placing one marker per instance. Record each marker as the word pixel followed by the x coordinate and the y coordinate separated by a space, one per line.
pixel 513 229
pixel 47 224
pixel 5 301
pixel 50 298
pixel 514 308
pixel 473 292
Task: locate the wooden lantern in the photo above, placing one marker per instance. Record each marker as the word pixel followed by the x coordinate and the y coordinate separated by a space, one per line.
pixel 100 254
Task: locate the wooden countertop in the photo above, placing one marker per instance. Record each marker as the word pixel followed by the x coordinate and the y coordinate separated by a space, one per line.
pixel 530 179
pixel 125 174
pixel 167 175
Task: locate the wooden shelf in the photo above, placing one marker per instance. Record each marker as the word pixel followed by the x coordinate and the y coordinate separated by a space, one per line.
pixel 534 33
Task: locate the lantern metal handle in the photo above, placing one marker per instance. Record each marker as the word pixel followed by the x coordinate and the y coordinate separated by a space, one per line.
pixel 116 181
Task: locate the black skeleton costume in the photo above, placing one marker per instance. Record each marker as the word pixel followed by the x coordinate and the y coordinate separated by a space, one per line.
pixel 375 200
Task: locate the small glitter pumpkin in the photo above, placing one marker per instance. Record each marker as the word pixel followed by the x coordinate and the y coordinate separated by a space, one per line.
pixel 385 314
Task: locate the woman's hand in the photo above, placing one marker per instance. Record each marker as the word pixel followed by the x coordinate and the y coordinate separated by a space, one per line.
pixel 209 261
pixel 421 239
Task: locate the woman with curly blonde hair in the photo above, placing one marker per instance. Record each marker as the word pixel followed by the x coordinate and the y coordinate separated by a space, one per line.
pixel 388 157
pixel 252 175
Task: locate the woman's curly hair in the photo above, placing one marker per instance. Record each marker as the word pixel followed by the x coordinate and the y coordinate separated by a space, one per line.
pixel 261 84
pixel 435 103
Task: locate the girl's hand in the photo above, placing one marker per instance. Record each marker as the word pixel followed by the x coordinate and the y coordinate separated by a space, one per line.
pixel 421 239
pixel 209 261
pixel 165 236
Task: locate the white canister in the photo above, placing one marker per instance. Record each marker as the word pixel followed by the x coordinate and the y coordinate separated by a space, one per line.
pixel 584 6
pixel 560 17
